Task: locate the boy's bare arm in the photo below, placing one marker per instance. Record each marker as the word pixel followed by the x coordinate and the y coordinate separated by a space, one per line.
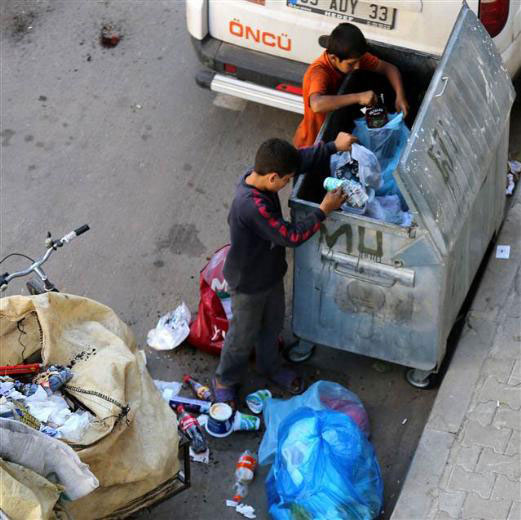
pixel 326 103
pixel 395 79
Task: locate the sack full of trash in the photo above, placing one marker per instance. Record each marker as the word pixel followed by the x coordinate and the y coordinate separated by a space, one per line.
pixel 325 467
pixel 322 395
pixel 131 446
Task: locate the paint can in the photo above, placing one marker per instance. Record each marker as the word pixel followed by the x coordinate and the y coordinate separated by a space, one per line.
pixel 220 420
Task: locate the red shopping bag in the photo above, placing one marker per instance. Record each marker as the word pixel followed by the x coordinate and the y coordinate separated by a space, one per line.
pixel 208 330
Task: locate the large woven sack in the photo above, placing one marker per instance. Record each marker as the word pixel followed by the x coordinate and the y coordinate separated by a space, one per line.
pixel 132 445
pixel 25 494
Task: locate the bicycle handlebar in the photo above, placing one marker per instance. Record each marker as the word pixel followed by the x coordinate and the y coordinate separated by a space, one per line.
pixel 35 266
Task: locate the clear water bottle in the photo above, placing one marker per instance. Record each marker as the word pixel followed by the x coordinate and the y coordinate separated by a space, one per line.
pixel 244 473
pixel 189 425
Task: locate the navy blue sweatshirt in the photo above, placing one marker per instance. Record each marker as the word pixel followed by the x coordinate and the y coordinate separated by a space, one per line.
pixel 259 234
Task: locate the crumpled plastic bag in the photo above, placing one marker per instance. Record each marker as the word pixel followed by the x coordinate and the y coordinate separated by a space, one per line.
pixel 387 143
pixel 368 168
pixel 168 389
pixel 324 467
pixel 388 209
pixel 171 329
pixel 322 395
pixel 54 409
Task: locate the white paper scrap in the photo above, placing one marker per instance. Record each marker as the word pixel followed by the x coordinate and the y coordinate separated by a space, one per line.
pixel 203 457
pixel 231 503
pixel 503 252
pixel 245 510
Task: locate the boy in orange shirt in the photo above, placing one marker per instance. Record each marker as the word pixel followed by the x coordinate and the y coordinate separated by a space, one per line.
pixel 346 51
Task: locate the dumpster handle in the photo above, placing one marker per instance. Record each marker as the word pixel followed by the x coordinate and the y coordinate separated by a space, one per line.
pixel 445 80
pixel 357 265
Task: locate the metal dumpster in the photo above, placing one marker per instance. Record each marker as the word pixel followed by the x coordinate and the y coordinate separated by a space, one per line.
pixel 393 293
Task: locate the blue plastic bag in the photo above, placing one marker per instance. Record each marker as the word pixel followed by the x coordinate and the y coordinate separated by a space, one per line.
pixel 322 395
pixel 387 143
pixel 325 468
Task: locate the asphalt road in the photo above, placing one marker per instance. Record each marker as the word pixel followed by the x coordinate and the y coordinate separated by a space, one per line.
pixel 122 139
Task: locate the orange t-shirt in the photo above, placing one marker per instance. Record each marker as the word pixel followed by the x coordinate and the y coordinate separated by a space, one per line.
pixel 322 78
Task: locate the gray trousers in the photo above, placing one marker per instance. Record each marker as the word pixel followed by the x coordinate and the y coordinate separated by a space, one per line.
pixel 257 321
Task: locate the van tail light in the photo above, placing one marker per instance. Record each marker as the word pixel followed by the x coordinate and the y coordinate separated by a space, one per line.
pixel 230 69
pixel 291 89
pixel 493 15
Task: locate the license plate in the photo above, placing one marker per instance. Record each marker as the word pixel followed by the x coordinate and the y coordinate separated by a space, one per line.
pixel 376 15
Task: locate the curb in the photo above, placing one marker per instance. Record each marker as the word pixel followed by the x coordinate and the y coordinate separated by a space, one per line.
pixel 452 402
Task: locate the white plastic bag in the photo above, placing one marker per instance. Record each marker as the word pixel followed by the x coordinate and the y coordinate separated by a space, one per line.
pixel 171 329
pixel 369 171
pixel 168 389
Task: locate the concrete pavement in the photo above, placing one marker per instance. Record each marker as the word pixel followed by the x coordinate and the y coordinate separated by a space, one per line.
pixel 467 464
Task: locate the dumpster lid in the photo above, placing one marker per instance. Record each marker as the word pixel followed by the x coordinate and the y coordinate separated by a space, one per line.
pixel 457 130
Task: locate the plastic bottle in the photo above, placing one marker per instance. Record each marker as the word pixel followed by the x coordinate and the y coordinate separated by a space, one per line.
pixel 200 391
pixel 192 405
pixel 244 473
pixel 376 116
pixel 189 425
pixel 356 195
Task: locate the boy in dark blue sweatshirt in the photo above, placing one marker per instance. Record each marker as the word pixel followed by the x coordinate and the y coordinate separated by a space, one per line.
pixel 256 263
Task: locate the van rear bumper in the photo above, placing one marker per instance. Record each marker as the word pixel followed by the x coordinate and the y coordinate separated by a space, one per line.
pixel 257 77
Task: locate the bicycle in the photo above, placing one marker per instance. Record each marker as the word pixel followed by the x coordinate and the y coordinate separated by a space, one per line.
pixel 40 284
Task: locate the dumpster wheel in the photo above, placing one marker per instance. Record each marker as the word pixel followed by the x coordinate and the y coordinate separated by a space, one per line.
pixel 419 378
pixel 299 351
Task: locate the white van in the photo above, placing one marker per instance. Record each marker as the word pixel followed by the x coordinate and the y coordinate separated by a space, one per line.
pixel 259 49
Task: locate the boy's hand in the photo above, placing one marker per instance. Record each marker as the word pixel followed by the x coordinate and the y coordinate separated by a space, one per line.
pixel 344 141
pixel 367 99
pixel 401 105
pixel 333 200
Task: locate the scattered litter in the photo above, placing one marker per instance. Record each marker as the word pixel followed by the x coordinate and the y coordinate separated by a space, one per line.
pixel 405 420
pixel 190 427
pixel 109 36
pixel 257 400
pixel 503 252
pixel 245 510
pixel 220 420
pixel 192 405
pixel 200 391
pixel 244 422
pixel 168 389
pixel 143 354
pixel 171 329
pixel 515 166
pixel 203 457
pixel 244 473
pixel 138 106
pixel 514 172
pixel 202 420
